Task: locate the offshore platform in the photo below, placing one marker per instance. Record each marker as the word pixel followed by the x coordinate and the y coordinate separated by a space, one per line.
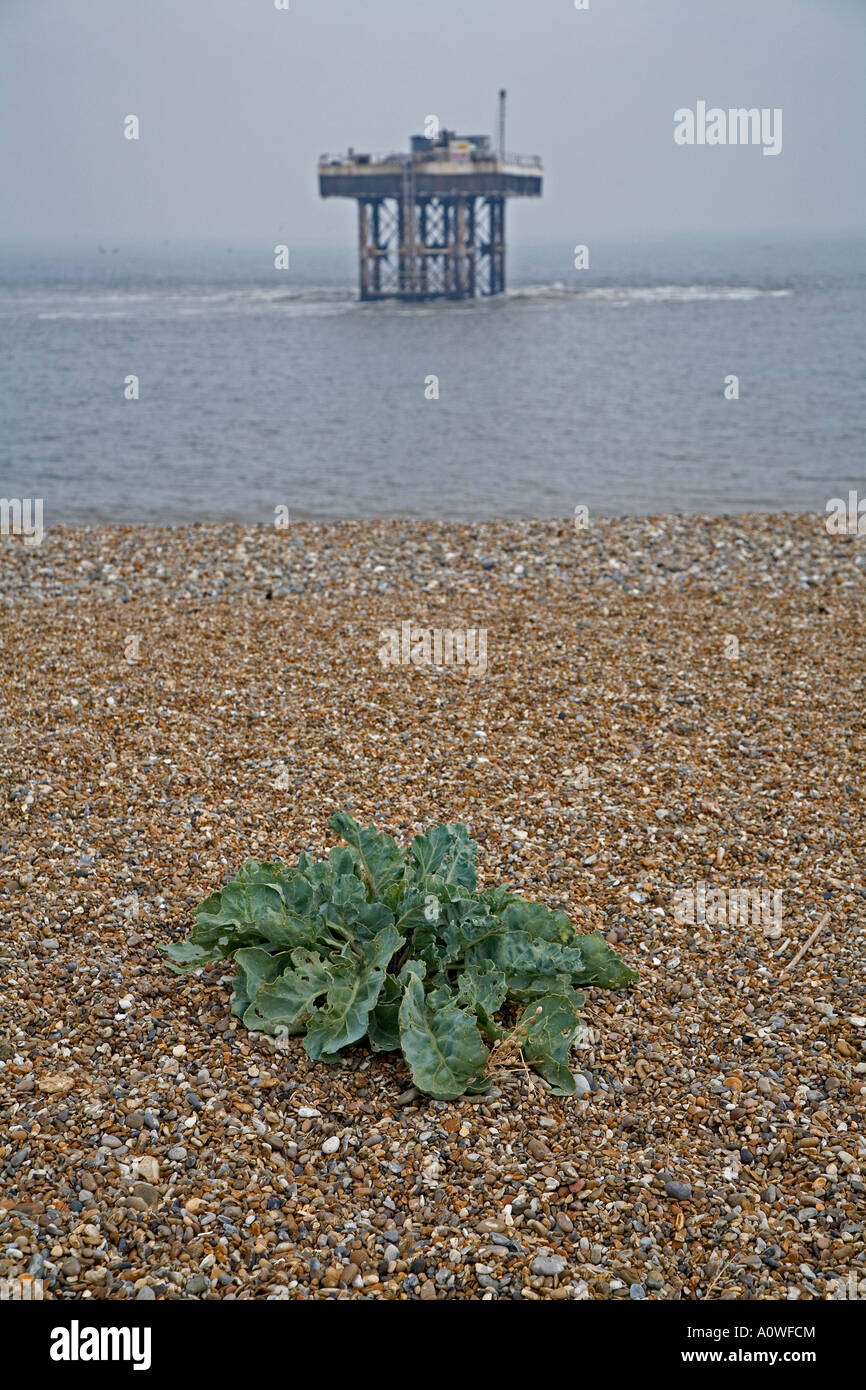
pixel 431 223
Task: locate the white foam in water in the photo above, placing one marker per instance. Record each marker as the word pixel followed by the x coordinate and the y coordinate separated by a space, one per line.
pixel 259 388
pixel 196 300
pixel 650 294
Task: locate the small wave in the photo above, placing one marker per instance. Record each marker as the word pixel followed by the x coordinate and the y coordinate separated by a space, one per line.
pixel 620 295
pixel 303 300
pixel 54 302
pixel 78 314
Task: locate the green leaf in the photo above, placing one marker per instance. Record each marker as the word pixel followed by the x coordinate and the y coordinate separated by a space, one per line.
pixel 187 955
pixel 344 860
pixel 550 1025
pixel 403 949
pixel 290 1000
pixel 417 909
pixel 443 1047
pixel 352 995
pixel 378 950
pixel 481 987
pixel 256 967
pixel 602 966
pixel 265 903
pixel 412 967
pixel 537 921
pixel 383 1029
pixel 447 852
pixel 382 860
pixel 527 963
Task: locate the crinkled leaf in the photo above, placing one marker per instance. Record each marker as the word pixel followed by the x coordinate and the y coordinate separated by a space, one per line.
pixel 352 995
pixel 344 860
pixel 538 922
pixel 412 967
pixel 350 916
pixel 402 948
pixel 602 966
pixel 382 859
pixel 256 967
pixel 527 962
pixel 546 1031
pixel 427 947
pixel 383 1029
pixel 481 987
pixel 447 852
pixel 378 950
pixel 372 920
pixel 187 955
pixel 291 999
pixel 265 903
pixel 417 909
pixel 443 1047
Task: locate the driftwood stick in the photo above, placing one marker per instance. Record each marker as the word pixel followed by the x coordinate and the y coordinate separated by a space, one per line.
pixel 803 949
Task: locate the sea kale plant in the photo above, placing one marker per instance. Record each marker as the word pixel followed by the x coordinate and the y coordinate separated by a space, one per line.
pixel 399 948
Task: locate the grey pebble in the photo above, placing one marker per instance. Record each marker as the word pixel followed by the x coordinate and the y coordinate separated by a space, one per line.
pixel 147 1192
pixel 548 1265
pixel 681 1191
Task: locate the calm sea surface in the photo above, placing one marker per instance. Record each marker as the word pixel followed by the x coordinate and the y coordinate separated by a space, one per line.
pixel 261 388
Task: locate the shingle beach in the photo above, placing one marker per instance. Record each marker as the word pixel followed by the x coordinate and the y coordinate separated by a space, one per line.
pixel 668 703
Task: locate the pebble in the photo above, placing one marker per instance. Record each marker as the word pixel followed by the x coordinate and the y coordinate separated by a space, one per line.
pixel 548 1265
pixel 681 1191
pixel 713 1065
pixel 146 1193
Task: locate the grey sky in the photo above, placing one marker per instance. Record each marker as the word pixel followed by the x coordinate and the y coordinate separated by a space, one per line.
pixel 236 101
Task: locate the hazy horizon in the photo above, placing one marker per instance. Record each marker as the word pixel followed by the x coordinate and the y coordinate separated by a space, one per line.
pixel 236 101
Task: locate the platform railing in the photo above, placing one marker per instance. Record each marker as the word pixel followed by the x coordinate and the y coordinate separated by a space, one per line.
pixel 363 161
